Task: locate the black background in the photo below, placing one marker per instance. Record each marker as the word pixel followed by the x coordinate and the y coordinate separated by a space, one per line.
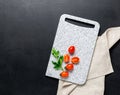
pixel 27 30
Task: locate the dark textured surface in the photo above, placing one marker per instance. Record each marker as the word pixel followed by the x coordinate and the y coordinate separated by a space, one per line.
pixel 27 30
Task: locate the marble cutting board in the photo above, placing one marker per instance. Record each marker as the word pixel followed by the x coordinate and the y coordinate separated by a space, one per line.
pixel 83 38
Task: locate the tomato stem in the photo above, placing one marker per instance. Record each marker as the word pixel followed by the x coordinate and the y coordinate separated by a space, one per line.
pixel 62 69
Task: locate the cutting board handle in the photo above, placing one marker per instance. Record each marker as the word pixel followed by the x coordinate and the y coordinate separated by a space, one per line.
pixel 95 25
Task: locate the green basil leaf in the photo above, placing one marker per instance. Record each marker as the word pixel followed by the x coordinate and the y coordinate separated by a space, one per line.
pixel 57 67
pixel 60 60
pixel 55 53
pixel 54 62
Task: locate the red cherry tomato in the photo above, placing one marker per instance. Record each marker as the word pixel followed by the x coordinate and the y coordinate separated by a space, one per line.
pixel 71 49
pixel 66 58
pixel 75 60
pixel 64 74
pixel 69 67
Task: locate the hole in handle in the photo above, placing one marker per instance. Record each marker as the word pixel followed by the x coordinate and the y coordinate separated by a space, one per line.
pixel 79 23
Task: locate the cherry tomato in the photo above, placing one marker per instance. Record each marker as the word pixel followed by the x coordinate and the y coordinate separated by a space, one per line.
pixel 75 60
pixel 66 58
pixel 69 66
pixel 64 74
pixel 71 49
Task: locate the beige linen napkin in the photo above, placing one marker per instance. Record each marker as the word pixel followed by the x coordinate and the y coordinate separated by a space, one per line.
pixel 100 66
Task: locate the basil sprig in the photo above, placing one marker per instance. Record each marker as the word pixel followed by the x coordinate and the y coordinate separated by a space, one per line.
pixel 59 59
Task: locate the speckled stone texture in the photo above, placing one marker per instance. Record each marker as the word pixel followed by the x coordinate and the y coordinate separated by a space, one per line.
pixel 83 38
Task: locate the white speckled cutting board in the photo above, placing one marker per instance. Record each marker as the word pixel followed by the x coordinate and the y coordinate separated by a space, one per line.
pixel 83 38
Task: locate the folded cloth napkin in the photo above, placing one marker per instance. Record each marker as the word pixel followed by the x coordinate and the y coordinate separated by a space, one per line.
pixel 100 66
